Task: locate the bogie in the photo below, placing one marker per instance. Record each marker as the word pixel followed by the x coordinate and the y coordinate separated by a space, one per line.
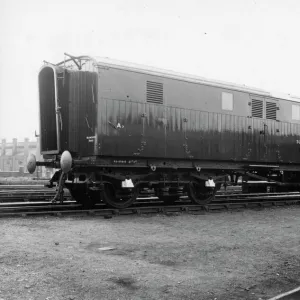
pixel 169 194
pixel 112 188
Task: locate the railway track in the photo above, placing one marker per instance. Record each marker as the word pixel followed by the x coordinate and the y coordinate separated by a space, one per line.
pixel 25 193
pixel 225 200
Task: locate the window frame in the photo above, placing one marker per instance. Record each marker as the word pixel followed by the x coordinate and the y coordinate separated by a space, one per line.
pixel 224 107
pixel 293 114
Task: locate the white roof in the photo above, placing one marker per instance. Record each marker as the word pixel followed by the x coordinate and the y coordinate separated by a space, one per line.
pixel 107 62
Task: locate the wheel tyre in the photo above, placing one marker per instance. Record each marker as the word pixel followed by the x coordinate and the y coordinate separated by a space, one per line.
pixel 82 198
pixel 108 195
pixel 77 195
pixel 199 194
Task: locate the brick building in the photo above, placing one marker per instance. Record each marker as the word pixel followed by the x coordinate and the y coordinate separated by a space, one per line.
pixel 13 157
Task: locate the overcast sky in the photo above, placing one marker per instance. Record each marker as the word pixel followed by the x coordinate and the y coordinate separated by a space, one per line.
pixel 251 42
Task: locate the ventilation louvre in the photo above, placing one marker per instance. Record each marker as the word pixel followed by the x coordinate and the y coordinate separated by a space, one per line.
pixel 271 110
pixel 257 108
pixel 155 92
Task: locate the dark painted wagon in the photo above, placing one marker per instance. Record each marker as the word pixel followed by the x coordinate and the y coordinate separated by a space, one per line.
pixel 115 128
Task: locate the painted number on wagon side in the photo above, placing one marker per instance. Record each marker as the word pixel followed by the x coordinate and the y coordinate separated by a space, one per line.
pixel 297 142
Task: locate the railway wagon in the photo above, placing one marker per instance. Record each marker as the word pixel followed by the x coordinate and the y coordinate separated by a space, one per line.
pixel 115 128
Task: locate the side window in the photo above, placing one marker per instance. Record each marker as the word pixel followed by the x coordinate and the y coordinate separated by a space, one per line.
pixel 296 112
pixel 227 101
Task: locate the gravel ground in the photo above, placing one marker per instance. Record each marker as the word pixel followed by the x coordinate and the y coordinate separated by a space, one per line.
pixel 229 255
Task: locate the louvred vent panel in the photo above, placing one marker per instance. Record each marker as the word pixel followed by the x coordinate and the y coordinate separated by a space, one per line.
pixel 257 108
pixel 271 110
pixel 155 92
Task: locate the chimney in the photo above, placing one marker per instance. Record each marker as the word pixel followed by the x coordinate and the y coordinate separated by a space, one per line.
pixel 26 147
pixel 14 146
pixel 3 146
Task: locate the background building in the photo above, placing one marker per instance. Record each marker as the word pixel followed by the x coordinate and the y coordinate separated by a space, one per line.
pixel 13 158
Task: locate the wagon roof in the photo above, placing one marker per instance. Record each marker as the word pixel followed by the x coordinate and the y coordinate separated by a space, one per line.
pixel 112 63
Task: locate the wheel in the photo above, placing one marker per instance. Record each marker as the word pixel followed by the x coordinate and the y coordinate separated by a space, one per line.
pixel 118 198
pixel 81 196
pixel 77 194
pixel 199 194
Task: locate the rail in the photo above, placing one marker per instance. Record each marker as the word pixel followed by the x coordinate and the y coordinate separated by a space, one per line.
pixel 150 206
